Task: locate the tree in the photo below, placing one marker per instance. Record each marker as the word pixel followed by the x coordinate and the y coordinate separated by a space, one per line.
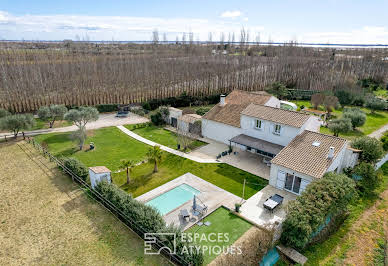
pixel 128 165
pixel 356 116
pixel 278 89
pixel 154 155
pixel 82 116
pixel 80 137
pixel 16 123
pixel 371 148
pixel 344 97
pixel 330 102
pixel 317 99
pixel 375 104
pixel 340 125
pixel 369 179
pixel 3 113
pixel 52 113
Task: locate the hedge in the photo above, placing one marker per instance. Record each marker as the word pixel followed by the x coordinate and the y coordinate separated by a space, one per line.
pixel 105 108
pixel 147 219
pixel 77 168
pixel 322 198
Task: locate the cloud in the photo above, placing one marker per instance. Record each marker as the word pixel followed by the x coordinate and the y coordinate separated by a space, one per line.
pixel 231 14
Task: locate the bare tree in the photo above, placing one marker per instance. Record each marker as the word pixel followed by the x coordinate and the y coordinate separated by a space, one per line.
pixel 155 36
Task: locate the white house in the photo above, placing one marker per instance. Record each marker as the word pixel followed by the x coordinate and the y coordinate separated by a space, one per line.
pixel 174 114
pixel 187 124
pixel 308 157
pixel 98 174
pixel 254 122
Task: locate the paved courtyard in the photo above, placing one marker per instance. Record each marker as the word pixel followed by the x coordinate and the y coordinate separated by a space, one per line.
pixel 211 196
pixel 252 163
pixel 253 209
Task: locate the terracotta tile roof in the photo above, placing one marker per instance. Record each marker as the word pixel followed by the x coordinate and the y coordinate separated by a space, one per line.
pixel 236 102
pixel 302 156
pixel 99 169
pixel 277 115
pixel 190 118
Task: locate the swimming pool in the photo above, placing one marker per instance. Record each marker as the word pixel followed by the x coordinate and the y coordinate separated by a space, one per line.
pixel 173 198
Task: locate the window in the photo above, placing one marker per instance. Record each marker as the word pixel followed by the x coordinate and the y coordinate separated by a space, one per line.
pixel 276 129
pixel 258 124
pixel 292 183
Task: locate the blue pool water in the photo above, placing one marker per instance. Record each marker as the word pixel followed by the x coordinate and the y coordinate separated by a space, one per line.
pixel 173 198
pixel 270 258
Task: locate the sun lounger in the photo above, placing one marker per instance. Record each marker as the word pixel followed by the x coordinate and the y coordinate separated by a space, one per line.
pixel 185 214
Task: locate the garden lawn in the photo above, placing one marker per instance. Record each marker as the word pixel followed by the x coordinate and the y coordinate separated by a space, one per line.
pixel 373 121
pixel 40 124
pixel 162 136
pixel 224 222
pixel 111 144
pixel 222 175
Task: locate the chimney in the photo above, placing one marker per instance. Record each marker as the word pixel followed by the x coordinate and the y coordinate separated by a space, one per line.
pixel 222 100
pixel 331 153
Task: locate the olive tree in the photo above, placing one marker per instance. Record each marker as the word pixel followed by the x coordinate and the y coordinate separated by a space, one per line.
pixel 375 104
pixel 3 113
pixel 82 116
pixel 356 116
pixel 52 113
pixel 371 148
pixel 16 123
pixel 340 125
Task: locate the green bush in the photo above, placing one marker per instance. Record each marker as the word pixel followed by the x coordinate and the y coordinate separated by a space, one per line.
pixel 371 148
pixel 375 104
pixel 356 116
pixel 322 198
pixel 344 97
pixel 202 110
pixel 340 125
pixel 105 108
pixel 77 168
pixel 3 113
pixel 359 100
pixel 384 140
pixel 369 178
pixel 147 219
pixel 157 119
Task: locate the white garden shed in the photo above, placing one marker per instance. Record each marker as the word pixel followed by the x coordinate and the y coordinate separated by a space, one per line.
pixel 98 174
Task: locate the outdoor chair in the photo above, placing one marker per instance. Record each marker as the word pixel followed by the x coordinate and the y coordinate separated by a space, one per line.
pixel 185 214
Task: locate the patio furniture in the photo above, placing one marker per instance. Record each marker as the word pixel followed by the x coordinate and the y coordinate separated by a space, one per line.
pixel 207 223
pixel 273 202
pixel 185 214
pixel 198 209
pixel 122 114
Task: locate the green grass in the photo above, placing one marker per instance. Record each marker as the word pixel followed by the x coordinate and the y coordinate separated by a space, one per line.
pixel 224 222
pixel 40 124
pixel 162 136
pixel 111 144
pixel 319 252
pixel 373 121
pixel 222 175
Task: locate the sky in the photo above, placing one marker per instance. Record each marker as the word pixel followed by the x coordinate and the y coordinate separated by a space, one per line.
pixel 313 21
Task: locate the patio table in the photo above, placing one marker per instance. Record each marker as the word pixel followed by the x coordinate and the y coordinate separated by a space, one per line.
pixel 270 204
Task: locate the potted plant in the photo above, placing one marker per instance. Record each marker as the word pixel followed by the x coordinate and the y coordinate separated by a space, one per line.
pixel 237 207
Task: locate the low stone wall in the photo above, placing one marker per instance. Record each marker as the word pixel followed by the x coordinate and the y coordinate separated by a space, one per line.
pixel 382 161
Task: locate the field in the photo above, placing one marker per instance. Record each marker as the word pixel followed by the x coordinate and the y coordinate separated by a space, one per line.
pixel 112 145
pixel 373 121
pixel 45 219
pixel 222 222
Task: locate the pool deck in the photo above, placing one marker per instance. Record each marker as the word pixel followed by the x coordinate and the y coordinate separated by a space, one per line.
pixel 211 195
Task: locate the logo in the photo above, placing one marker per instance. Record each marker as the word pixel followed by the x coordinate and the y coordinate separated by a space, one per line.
pixel 151 238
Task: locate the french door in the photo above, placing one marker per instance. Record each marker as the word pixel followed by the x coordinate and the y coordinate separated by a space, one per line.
pixel 292 183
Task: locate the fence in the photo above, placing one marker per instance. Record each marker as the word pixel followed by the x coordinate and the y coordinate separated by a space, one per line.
pixel 158 244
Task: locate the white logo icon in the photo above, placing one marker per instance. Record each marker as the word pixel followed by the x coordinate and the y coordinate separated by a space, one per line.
pixel 151 238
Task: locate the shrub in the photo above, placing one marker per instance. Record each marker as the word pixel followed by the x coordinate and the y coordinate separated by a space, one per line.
pixel 3 113
pixel 375 104
pixel 344 97
pixel 145 219
pixel 322 198
pixel 105 108
pixel 371 149
pixel 157 119
pixel 202 110
pixel 359 100
pixel 356 116
pixel 77 168
pixel 340 125
pixel 384 140
pixel 369 179
pixel 146 106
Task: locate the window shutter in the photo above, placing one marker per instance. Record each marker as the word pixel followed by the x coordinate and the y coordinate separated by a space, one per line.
pixel 281 180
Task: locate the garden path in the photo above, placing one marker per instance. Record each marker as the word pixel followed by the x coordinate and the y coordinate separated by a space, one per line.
pixel 379 132
pixel 165 148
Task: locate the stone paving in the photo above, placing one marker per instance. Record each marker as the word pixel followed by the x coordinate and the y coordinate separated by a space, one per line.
pixel 211 196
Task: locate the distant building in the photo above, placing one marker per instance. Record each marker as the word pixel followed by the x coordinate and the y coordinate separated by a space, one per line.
pixel 98 174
